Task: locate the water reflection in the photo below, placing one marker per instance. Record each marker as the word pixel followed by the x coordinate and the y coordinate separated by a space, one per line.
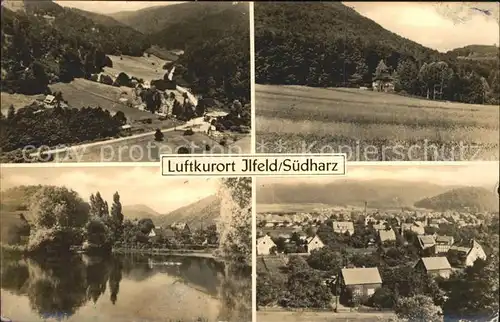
pixel 74 287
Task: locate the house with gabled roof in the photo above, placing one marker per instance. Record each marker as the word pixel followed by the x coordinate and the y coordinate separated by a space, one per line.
pixel 264 245
pixel 468 255
pixel 435 266
pixel 386 235
pixel 426 241
pixel 341 227
pixel 361 281
pixel 313 243
pixel 158 232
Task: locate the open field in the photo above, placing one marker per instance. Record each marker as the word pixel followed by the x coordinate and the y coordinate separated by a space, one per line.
pixel 372 126
pixel 278 316
pixel 17 100
pixel 147 68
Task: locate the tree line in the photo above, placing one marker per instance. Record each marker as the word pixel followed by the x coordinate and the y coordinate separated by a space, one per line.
pixel 35 126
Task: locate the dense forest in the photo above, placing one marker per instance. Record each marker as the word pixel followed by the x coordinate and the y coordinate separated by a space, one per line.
pixel 330 44
pixel 48 43
pixel 217 53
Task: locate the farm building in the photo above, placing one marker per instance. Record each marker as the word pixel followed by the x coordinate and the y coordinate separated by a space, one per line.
pixel 435 266
pixel 264 245
pixel 314 243
pixel 361 281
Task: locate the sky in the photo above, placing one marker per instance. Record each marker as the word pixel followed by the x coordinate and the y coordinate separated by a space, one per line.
pixel 428 23
pixel 108 7
pixel 136 185
pixel 484 174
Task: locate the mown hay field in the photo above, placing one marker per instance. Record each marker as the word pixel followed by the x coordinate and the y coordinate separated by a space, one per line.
pixel 372 126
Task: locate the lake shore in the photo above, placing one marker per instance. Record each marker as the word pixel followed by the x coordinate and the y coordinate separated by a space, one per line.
pixel 183 253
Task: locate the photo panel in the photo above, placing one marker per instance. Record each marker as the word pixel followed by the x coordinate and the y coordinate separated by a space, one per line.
pixel 385 243
pixel 378 81
pixel 122 243
pixel 124 81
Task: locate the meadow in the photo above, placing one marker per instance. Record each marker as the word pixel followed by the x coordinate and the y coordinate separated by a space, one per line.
pixel 372 126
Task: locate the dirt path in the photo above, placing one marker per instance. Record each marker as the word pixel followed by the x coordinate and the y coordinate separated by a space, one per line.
pixel 278 316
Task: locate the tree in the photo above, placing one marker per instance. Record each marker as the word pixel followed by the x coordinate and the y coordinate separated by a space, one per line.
pixel 98 236
pixel 120 118
pixel 474 292
pixel 98 207
pixel 11 112
pixel 383 298
pixel 305 288
pixel 268 291
pixel 57 214
pixel 159 135
pixel 325 259
pixel 122 80
pixel 418 308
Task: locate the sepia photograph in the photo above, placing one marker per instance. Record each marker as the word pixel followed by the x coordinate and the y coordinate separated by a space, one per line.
pixel 385 243
pixel 379 81
pixel 124 244
pixel 113 81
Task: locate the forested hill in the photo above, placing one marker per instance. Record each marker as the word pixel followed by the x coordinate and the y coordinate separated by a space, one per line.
pixel 460 199
pixel 476 52
pixel 155 19
pixel 215 37
pixel 44 42
pixel 328 44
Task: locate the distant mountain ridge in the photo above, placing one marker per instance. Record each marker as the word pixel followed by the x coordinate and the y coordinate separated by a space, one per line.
pixel 138 212
pixel 377 193
pixel 203 212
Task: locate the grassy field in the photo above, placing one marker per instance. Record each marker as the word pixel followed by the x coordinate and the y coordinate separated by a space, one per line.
pixel 372 126
pixel 277 316
pixel 17 100
pixel 147 68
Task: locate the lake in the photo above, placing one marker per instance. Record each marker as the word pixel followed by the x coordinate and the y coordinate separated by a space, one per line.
pixel 123 288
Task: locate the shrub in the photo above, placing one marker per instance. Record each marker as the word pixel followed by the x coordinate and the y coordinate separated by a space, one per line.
pixel 188 132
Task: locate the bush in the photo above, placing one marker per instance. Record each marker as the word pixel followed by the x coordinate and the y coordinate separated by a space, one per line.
pixel 383 298
pixel 188 132
pixel 182 150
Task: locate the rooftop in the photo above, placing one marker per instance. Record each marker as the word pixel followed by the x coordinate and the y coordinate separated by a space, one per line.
pixel 435 263
pixel 359 276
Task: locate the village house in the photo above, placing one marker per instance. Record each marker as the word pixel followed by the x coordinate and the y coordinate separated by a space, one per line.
pixel 314 243
pixel 361 281
pixel 181 226
pixel 158 232
pixel 415 227
pixel 383 81
pixel 49 100
pixel 435 266
pixel 341 227
pixel 470 254
pixel 381 225
pixel 386 235
pixel 264 245
pixel 370 219
pixel 443 244
pixel 426 241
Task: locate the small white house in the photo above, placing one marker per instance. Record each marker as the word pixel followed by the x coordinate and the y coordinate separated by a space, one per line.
pixel 264 245
pixel 314 243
